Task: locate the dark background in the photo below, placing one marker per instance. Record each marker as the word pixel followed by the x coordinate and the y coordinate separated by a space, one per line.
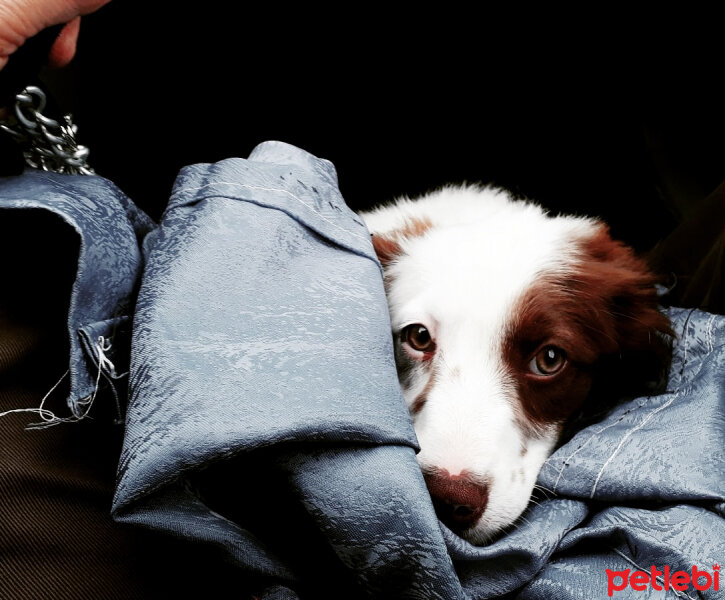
pixel 588 117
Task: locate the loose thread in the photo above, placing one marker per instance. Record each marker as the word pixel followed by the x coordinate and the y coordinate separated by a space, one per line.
pixel 49 418
pixel 47 415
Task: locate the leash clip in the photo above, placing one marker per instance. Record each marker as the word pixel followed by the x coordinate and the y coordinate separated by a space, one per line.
pixel 47 144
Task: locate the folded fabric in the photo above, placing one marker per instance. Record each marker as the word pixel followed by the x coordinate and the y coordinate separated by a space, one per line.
pixel 265 417
pixel 265 423
pixel 110 228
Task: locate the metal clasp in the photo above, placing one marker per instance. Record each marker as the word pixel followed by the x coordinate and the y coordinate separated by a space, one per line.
pixel 47 144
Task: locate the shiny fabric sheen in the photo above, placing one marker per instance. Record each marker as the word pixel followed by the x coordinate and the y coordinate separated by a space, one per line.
pixel 265 424
pixel 262 323
pixel 110 228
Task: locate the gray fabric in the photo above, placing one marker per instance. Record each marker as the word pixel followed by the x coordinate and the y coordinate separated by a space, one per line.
pixel 261 328
pixel 262 341
pixel 110 227
pixel 265 423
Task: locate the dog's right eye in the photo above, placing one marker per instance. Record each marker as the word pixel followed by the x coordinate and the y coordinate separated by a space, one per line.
pixel 418 338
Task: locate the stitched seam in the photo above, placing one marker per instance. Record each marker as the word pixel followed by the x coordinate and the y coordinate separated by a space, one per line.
pixel 269 189
pixel 589 439
pixel 625 438
pixel 710 341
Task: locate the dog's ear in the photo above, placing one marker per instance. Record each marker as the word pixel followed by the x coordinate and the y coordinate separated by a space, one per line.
pixel 386 248
pixel 616 304
pixel 389 245
pixel 621 291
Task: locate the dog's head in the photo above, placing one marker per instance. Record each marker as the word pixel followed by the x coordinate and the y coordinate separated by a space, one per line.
pixel 505 321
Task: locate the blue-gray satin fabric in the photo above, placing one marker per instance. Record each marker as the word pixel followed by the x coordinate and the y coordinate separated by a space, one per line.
pixel 265 422
pixel 109 227
pixel 262 334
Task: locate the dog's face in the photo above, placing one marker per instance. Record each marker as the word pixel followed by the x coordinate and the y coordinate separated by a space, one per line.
pixel 504 320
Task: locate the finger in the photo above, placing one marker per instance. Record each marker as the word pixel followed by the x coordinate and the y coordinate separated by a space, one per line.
pixel 64 48
pixel 22 19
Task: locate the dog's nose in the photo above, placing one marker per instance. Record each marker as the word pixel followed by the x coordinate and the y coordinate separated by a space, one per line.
pixel 459 500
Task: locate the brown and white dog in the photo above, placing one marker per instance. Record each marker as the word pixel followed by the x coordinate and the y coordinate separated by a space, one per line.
pixel 506 323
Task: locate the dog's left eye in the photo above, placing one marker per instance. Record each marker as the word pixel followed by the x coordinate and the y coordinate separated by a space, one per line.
pixel 548 361
pixel 418 338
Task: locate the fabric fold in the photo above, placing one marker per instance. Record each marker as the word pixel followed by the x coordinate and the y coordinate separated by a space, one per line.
pixel 110 229
pixel 262 332
pixel 265 423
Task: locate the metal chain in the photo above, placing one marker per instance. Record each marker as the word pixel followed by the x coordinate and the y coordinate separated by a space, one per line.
pixel 47 144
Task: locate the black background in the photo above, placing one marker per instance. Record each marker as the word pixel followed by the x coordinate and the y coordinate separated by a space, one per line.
pixel 583 115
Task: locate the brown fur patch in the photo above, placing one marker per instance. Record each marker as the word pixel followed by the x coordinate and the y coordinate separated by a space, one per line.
pixel 604 315
pixel 415 227
pixel 388 245
pixel 386 248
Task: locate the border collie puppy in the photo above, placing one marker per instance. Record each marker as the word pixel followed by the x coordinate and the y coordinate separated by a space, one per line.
pixel 507 322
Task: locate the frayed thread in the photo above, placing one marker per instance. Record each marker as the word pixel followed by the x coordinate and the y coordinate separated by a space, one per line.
pixel 47 415
pixel 49 418
pixel 107 369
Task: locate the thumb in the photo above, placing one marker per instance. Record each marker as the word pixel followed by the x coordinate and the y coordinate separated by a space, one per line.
pixel 22 19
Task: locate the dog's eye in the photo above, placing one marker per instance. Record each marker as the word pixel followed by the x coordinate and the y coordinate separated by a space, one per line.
pixel 548 361
pixel 418 338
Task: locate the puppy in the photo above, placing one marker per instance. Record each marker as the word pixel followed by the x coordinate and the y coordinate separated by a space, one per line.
pixel 507 322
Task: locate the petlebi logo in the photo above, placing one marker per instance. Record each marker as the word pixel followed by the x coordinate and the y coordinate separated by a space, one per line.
pixel 665 579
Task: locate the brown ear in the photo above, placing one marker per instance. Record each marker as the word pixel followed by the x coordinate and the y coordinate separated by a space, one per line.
pixel 388 245
pixel 386 248
pixel 621 290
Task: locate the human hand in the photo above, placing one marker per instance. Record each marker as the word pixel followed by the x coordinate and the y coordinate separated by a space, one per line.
pixel 22 19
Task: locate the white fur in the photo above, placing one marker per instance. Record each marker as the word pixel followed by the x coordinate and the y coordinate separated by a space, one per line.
pixel 461 278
